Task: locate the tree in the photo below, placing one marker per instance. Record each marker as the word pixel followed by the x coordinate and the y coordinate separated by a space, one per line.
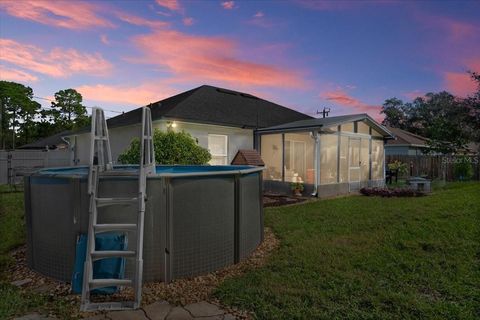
pixel 68 111
pixel 472 103
pixel 170 148
pixel 18 112
pixel 395 115
pixel 441 117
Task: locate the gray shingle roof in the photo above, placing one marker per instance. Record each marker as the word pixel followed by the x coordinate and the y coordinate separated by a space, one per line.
pixel 329 122
pixel 212 105
pixel 51 142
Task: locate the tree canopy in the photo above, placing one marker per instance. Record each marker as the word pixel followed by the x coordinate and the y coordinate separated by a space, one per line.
pixel 23 120
pixel 449 122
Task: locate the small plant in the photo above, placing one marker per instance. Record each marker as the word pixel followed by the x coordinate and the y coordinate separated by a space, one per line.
pixel 297 188
pixel 400 167
pixel 463 169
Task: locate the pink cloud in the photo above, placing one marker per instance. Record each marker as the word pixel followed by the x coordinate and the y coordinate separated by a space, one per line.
pixel 136 95
pixel 173 5
pixel 259 14
pixel 228 5
pixel 139 21
pixel 16 75
pixel 188 21
pixel 203 58
pixel 344 99
pixel 459 83
pixel 104 39
pixel 65 14
pixel 58 62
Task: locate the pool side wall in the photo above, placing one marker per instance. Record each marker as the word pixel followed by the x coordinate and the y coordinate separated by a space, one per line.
pixel 193 225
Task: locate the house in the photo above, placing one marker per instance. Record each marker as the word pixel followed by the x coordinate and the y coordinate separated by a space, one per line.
pixel 53 142
pixel 221 120
pixel 330 156
pixel 406 144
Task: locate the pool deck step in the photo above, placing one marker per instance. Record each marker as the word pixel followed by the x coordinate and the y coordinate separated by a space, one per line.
pixel 103 202
pixel 101 283
pixel 115 227
pixel 112 254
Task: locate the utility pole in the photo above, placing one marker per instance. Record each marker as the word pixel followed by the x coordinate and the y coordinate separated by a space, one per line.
pixel 324 112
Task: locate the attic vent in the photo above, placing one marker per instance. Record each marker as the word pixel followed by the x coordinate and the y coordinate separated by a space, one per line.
pixel 227 91
pixel 246 95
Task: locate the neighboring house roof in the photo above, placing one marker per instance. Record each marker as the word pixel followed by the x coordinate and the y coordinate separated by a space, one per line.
pixel 51 142
pixel 405 138
pixel 328 122
pixel 212 105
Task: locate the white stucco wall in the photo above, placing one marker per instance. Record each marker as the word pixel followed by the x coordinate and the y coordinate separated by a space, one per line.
pixel 120 138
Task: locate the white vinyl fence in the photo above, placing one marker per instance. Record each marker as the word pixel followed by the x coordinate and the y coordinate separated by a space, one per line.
pixel 16 163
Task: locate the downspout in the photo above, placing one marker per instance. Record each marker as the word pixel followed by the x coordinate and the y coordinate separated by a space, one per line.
pixel 314 135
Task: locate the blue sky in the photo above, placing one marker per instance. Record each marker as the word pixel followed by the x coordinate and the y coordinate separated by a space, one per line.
pixel 347 55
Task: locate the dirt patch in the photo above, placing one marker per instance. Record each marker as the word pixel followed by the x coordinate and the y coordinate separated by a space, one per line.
pixel 276 200
pixel 178 292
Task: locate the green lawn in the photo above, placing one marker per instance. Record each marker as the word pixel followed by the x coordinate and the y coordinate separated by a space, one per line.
pixel 15 301
pixel 370 258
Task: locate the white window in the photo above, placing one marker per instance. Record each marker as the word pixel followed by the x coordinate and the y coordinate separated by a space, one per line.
pixel 218 147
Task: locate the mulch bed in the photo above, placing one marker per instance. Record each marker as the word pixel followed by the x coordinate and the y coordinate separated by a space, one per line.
pixel 276 200
pixel 181 291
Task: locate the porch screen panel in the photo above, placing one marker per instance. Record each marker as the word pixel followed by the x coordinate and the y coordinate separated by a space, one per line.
pixel 365 159
pixel 328 158
pixel 299 157
pixel 271 152
pixel 343 170
pixel 378 160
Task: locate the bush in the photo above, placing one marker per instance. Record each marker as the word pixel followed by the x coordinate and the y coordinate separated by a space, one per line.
pixel 385 192
pixel 400 167
pixel 463 168
pixel 170 148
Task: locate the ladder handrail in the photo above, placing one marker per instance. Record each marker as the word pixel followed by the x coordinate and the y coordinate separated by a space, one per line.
pixel 100 147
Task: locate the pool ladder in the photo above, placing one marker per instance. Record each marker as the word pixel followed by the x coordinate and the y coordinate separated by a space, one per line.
pixel 101 165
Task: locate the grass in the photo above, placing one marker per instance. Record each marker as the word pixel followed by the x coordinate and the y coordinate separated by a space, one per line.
pixel 370 258
pixel 16 301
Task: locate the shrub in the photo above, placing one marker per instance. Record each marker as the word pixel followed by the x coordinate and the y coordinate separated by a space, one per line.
pixel 463 168
pixel 400 167
pixel 170 148
pixel 385 192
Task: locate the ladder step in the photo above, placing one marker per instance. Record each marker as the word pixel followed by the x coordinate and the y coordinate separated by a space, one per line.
pixel 115 227
pixel 108 306
pixel 103 202
pixel 101 283
pixel 112 254
pixel 101 138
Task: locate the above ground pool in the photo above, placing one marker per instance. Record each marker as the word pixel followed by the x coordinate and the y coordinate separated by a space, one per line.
pixel 198 219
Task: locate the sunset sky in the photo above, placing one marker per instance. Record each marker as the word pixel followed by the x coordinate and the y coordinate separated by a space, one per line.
pixel 349 56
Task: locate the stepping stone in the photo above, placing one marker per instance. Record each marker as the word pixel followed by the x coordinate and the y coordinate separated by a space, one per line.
pixel 34 316
pixel 210 318
pixel 229 317
pixel 158 310
pixel 22 282
pixel 96 317
pixel 127 315
pixel 204 309
pixel 179 313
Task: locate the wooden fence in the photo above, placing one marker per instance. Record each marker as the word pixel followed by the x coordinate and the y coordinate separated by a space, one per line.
pixel 435 167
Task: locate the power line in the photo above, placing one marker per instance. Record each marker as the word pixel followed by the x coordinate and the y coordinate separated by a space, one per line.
pixel 43 98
